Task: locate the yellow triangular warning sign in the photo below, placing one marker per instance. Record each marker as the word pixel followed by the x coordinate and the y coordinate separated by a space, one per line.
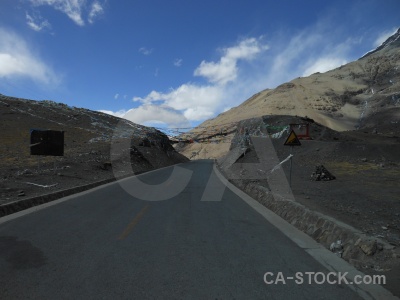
pixel 292 140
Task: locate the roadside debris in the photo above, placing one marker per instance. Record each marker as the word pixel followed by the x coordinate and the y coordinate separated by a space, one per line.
pixel 24 172
pixel 337 248
pixel 322 174
pixel 40 185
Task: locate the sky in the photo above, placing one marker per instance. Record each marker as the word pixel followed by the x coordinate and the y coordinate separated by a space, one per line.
pixel 175 63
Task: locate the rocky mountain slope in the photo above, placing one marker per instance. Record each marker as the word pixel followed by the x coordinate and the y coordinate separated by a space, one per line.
pixel 89 137
pixel 364 94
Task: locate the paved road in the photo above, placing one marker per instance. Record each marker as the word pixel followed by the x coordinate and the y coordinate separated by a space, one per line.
pixel 106 244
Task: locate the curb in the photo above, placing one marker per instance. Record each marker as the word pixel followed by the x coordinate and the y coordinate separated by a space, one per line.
pixel 356 247
pixel 16 206
pixel 329 260
pixel 19 205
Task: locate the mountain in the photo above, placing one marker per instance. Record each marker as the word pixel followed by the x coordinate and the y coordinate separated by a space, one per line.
pixel 363 95
pixel 394 40
pixel 342 99
pixel 95 145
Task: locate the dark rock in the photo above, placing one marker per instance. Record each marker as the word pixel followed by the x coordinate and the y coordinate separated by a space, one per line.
pixel 369 247
pixel 106 165
pixel 336 246
pixel 145 143
pixel 322 174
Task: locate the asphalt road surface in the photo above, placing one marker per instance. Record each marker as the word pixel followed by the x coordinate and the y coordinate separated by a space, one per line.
pixel 108 244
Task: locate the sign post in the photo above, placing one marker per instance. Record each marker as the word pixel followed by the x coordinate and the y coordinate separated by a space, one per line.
pixel 291 163
pixel 292 140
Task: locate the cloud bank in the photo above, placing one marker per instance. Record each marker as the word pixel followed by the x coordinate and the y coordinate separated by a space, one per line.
pixel 17 60
pixel 226 70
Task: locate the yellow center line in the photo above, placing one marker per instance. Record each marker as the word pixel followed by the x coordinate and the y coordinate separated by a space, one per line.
pixel 132 224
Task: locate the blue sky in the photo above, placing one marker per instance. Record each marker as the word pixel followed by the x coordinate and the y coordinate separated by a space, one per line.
pixel 176 63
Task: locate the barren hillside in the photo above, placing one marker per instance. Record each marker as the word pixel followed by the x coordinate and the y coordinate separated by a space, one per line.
pixel 88 140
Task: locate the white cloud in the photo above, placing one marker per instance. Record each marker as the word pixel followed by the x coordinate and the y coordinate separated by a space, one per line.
pixel 199 113
pixel 332 55
pixel 194 101
pixel 178 62
pixel 145 51
pixel 324 64
pixel 17 60
pixel 289 55
pixel 95 11
pixel 222 72
pixel 190 96
pixel 74 9
pixel 36 22
pixel 314 49
pixel 153 96
pixel 116 96
pixel 383 36
pixel 225 70
pixel 153 114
